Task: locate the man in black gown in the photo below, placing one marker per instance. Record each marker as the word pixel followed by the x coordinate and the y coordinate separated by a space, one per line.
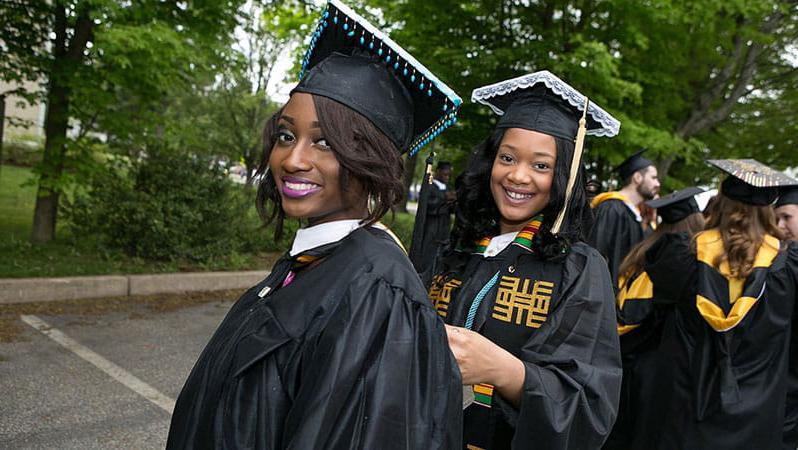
pixel 617 227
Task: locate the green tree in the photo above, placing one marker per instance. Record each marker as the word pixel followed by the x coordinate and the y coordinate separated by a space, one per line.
pixel 676 73
pixel 93 53
pixel 239 103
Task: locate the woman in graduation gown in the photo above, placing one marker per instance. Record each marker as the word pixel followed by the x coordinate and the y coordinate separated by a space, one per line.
pixel 530 306
pixel 338 348
pixel 736 284
pixel 642 316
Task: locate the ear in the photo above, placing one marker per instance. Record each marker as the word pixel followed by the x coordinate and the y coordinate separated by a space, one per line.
pixel 637 177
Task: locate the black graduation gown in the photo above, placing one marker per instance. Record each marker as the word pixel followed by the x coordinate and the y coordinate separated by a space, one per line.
pixel 436 226
pixel 729 387
pixel 558 318
pixel 349 355
pixel 615 231
pixel 644 311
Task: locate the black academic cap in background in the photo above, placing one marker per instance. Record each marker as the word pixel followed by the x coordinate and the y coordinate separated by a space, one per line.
pixel 787 196
pixel 632 164
pixel 676 205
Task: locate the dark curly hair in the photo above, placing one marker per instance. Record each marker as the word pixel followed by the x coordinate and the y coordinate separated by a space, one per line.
pixel 477 216
pixel 362 150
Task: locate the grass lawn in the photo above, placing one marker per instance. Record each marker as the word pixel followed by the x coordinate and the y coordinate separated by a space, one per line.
pixel 69 257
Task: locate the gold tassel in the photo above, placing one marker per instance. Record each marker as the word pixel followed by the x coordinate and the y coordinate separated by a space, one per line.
pixel 575 163
pixel 428 169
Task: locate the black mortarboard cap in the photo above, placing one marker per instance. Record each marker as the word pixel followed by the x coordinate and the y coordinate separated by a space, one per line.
pixel 676 205
pixel 353 63
pixel 632 164
pixel 787 196
pixel 750 181
pixel 542 102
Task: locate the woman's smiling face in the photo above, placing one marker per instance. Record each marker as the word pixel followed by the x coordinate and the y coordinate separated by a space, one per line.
pixel 521 178
pixel 307 172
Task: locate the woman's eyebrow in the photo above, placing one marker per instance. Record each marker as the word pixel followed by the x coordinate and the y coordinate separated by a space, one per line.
pixel 536 153
pixel 291 120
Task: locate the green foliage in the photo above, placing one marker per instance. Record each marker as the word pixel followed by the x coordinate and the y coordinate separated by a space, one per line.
pixel 99 60
pixel 402 225
pixel 667 69
pixel 164 207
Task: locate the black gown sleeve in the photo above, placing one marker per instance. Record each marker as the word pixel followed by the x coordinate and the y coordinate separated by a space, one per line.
pixel 672 266
pixel 436 201
pixel 790 437
pixel 572 383
pixel 611 235
pixel 380 376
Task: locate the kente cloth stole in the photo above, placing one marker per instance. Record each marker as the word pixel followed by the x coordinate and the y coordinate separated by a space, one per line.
pixel 722 300
pixel 634 302
pixel 524 237
pixel 483 393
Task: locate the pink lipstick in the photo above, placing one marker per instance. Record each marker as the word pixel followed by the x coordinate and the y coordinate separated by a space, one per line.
pixel 299 187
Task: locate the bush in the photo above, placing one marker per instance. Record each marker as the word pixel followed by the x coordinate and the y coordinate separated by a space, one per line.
pixel 167 207
pixel 402 225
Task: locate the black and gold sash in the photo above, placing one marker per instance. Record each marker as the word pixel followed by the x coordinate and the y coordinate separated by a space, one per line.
pixel 634 303
pixel 722 300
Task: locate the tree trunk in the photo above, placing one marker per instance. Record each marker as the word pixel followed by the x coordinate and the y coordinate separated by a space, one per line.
pixel 410 171
pixel 67 54
pixel 52 165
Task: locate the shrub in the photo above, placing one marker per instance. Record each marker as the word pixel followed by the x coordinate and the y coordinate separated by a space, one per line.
pixel 402 225
pixel 166 207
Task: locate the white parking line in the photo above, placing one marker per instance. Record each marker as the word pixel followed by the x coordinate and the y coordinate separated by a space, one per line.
pixel 117 373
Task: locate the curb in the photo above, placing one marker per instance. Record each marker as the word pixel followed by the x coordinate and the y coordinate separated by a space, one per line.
pixel 29 290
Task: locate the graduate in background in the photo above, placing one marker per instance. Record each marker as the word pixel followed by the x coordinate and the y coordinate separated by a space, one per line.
pixel 438 222
pixel 618 224
pixel 593 188
pixel 787 212
pixel 786 208
pixel 736 287
pixel 530 305
pixel 339 346
pixel 646 374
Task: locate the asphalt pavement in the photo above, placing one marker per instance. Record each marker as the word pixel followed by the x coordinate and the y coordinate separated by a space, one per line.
pixel 57 396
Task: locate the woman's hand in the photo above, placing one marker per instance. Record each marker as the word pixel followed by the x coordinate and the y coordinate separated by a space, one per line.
pixel 482 361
